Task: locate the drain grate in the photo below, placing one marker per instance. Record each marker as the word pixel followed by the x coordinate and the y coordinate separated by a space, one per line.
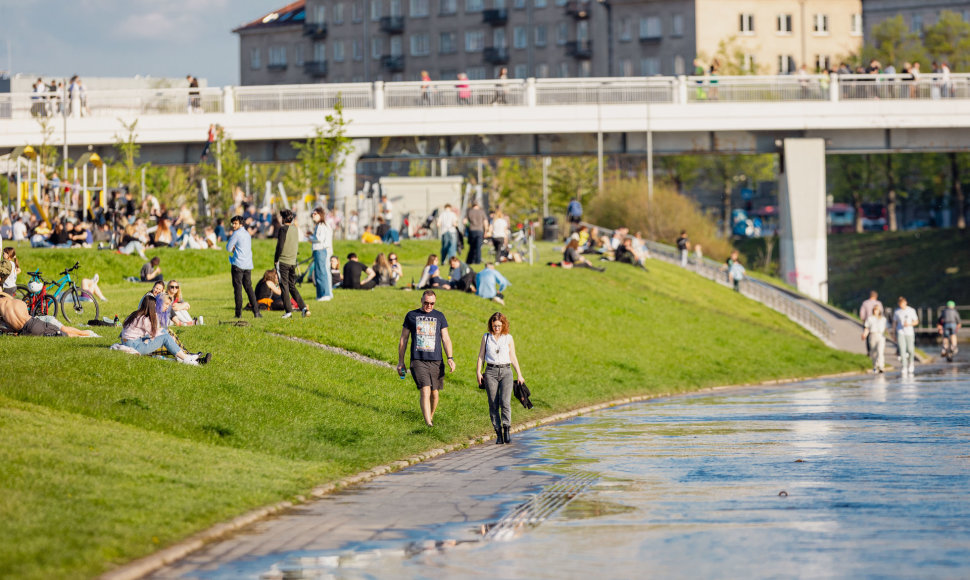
pixel 541 506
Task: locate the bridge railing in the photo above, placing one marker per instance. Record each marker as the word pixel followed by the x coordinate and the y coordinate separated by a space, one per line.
pixel 467 93
pixel 315 97
pixel 606 91
pixel 757 290
pixel 709 89
pixel 932 86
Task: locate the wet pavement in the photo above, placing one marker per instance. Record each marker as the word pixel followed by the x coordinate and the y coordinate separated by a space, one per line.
pixel 863 477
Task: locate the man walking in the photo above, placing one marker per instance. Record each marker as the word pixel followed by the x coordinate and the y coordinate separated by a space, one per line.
pixel 475 219
pixel 683 244
pixel 429 329
pixel 574 213
pixel 448 230
pixel 905 321
pixel 240 248
pixel 287 246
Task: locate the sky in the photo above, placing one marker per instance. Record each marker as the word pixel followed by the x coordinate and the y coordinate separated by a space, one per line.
pixel 98 38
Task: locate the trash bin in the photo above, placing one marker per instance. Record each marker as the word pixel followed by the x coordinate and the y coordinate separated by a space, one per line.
pixel 550 229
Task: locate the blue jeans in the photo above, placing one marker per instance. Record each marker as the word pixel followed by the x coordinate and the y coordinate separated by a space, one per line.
pixel 391 237
pixel 149 346
pixel 449 246
pixel 321 273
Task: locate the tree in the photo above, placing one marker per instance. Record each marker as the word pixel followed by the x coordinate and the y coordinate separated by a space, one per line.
pixel 949 40
pixel 851 179
pixel 129 149
pixel 680 171
pixel 731 56
pixel 893 43
pixel 323 154
pixel 727 171
pixel 47 152
pixel 228 172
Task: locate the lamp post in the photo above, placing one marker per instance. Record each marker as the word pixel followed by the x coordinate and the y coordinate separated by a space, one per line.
pixel 609 35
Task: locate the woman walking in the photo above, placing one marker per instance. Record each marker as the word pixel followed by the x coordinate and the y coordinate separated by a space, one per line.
pixel 498 353
pixel 875 332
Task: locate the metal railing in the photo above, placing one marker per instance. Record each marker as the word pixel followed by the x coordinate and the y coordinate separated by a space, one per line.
pixel 681 90
pixel 756 290
pixel 455 94
pixel 708 89
pixel 303 97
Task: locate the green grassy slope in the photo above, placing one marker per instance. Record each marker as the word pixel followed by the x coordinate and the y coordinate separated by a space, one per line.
pixel 112 456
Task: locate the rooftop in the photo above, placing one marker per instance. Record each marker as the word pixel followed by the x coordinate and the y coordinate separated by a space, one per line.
pixel 292 13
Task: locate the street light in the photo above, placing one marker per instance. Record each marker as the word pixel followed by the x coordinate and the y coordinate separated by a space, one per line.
pixel 609 35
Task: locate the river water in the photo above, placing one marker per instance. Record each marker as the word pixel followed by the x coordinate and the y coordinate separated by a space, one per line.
pixel 866 477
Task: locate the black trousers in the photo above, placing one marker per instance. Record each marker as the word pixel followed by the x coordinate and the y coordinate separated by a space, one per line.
pixel 475 239
pixel 288 287
pixel 242 279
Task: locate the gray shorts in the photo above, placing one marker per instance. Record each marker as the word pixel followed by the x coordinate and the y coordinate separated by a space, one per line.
pixel 428 373
pixel 37 327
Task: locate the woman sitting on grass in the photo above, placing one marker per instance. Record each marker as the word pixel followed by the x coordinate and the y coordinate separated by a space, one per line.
pixel 180 308
pixel 431 275
pixel 140 333
pixel 269 295
pixel 336 274
pixel 571 258
pixel 383 270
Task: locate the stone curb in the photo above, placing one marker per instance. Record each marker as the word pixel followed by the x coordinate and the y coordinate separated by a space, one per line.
pixel 148 564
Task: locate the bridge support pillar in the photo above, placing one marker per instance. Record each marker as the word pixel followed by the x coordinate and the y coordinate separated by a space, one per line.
pixel 803 247
pixel 346 179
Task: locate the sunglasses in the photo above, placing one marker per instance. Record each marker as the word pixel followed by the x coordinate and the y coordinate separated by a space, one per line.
pixel 173 287
pixel 427 303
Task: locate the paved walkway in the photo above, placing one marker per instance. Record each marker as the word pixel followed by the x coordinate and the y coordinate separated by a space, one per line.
pixel 444 501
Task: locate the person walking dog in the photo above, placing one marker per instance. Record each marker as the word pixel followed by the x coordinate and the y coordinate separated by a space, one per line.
pixel 497 352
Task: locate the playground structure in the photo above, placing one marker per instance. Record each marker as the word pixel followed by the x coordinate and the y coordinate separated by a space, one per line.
pixel 75 194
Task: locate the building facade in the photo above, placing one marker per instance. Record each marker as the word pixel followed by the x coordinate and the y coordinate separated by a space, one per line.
pixel 339 41
pixel 917 14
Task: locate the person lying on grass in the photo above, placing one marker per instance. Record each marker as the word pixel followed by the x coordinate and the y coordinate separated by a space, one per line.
pixel 15 318
pixel 140 333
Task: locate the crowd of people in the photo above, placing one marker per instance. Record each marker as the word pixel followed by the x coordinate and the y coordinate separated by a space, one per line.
pixel 879 323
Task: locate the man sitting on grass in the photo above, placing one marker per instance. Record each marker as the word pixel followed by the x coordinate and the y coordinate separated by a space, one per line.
pixel 150 272
pixel 14 317
pixel 352 272
pixel 490 284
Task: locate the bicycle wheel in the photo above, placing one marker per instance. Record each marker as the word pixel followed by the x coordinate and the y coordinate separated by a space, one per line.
pixel 45 307
pixel 84 308
pixel 22 292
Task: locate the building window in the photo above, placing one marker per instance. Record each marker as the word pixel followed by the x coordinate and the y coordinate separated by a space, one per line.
pixel 447 43
pixel 562 33
pixel 521 71
pixel 917 24
pixel 319 14
pixel 856 28
pixel 820 24
pixel 420 44
pixel 786 64
pixel 650 28
pixel 474 40
pixel 449 6
pixel 397 45
pixel 626 29
pixel 582 30
pixel 746 23
pixel 476 73
pixel 784 24
pixel 376 48
pixel 420 8
pixel 748 63
pixel 395 8
pixel 649 66
pixel 448 74
pixel 822 62
pixel 375 10
pixel 358 48
pixel 542 70
pixel 319 52
pixel 520 37
pixel 585 68
pixel 338 51
pixel 561 2
pixel 298 55
pixel 518 4
pixel 277 56
pixel 474 5
pixel 678 65
pixel 541 33
pixel 626 67
pixel 498 38
pixel 356 12
pixel 338 13
pixel 254 62
pixel 677 26
pixel 540 3
pixel 563 70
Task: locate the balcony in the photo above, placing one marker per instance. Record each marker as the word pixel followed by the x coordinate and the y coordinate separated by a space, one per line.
pixel 315 30
pixel 315 68
pixel 393 63
pixel 578 9
pixel 496 55
pixel 277 66
pixel 495 17
pixel 579 49
pixel 392 24
pixel 651 38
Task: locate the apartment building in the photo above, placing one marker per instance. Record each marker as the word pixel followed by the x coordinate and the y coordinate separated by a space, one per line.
pixel 917 14
pixel 338 41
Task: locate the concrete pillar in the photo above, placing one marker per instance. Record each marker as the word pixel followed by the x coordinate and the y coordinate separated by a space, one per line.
pixel 346 178
pixel 834 87
pixel 802 246
pixel 681 98
pixel 228 100
pixel 530 92
pixel 378 95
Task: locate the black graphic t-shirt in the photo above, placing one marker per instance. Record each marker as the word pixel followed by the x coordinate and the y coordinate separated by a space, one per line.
pixel 425 330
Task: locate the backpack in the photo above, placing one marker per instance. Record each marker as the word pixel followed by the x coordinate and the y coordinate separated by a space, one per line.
pixel 6 267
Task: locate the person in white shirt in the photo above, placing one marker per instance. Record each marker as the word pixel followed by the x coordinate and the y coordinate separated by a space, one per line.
pixel 448 230
pixel 19 230
pixel 322 237
pixel 497 352
pixel 905 321
pixel 499 234
pixel 874 334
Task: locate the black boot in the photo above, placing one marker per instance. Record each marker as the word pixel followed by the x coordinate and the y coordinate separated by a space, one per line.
pixel 505 435
pixel 498 437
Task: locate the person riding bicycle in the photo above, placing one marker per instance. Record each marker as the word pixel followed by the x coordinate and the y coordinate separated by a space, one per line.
pixel 948 325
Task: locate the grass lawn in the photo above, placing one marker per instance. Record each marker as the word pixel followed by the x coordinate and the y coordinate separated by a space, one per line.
pixel 109 456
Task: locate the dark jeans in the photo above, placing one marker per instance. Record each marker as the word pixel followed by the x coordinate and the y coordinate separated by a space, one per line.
pixel 287 274
pixel 242 279
pixel 475 239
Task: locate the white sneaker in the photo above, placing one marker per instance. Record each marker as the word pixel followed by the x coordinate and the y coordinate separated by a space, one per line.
pixel 189 361
pixel 287 315
pixel 200 321
pixel 324 298
pixel 96 278
pixel 912 369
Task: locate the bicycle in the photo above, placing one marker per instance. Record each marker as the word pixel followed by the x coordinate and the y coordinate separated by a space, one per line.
pixel 66 292
pixel 34 294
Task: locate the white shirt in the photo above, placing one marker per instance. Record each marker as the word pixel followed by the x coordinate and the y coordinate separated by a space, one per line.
pixel 323 237
pixel 500 228
pixel 19 231
pixel 497 349
pixel 904 316
pixel 876 325
pixel 447 222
